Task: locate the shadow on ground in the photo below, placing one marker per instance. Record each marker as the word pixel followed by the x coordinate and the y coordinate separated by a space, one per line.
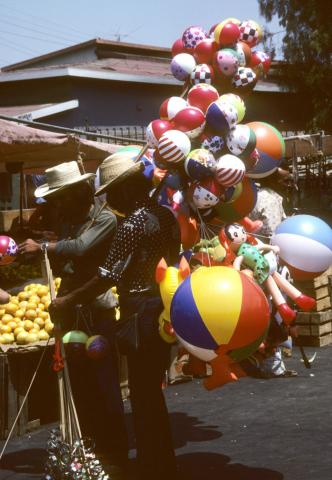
pixel 205 465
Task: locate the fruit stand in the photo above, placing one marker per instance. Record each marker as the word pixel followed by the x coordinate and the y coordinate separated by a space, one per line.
pixel 25 331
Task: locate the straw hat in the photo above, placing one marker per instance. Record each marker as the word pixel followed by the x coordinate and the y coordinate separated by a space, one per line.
pixel 115 169
pixel 60 177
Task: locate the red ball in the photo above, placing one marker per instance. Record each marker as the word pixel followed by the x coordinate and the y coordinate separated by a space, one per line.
pixel 170 107
pixel 191 121
pixel 229 34
pixel 8 250
pixel 260 58
pixel 154 131
pixel 205 50
pixel 201 95
pixel 178 47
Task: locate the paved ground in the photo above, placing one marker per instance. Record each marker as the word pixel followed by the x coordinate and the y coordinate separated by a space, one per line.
pixel 252 430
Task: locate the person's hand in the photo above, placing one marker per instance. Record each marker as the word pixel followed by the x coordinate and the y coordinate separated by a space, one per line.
pixel 29 246
pixel 275 249
pixel 60 303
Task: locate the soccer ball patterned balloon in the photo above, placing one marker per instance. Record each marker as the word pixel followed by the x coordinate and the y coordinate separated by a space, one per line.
pixel 202 73
pixel 244 78
pixel 250 32
pixel 241 140
pixel 192 36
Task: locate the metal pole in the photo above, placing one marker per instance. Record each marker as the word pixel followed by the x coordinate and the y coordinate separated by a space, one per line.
pixel 55 128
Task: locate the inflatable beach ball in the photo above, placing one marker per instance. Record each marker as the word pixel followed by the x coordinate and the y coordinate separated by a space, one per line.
pixel 219 307
pixel 230 170
pixel 192 36
pixel 8 250
pixel 170 107
pixel 182 65
pixel 199 164
pixel 271 149
pixel 305 244
pixel 173 147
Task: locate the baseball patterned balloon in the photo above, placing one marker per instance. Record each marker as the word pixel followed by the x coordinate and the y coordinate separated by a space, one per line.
pixel 221 117
pixel 226 62
pixel 202 74
pixel 8 250
pixel 191 121
pixel 244 79
pixel 226 34
pixel 173 147
pixel 202 95
pixel 241 140
pixel 230 170
pixel 205 50
pixel 200 164
pixel 237 102
pixel 182 65
pixel 213 143
pixel 170 107
pixel 192 36
pixel 154 131
pixel 250 32
pixel 205 194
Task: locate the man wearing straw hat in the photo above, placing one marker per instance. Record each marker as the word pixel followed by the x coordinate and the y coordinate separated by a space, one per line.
pixel 88 229
pixel 148 233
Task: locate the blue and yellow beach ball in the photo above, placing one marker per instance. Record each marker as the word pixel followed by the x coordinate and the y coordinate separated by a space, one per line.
pixel 219 308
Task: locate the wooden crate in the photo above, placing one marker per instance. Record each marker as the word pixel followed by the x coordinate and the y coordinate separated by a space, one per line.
pixel 315 328
pixel 320 289
pixel 16 371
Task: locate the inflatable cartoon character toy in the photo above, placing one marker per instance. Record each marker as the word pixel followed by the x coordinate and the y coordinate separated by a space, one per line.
pixel 169 278
pixel 250 254
pixel 209 252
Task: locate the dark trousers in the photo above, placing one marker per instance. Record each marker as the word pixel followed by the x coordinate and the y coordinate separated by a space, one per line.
pixel 146 367
pixel 97 393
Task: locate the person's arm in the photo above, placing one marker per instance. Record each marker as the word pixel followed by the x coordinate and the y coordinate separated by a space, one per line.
pixel 122 248
pixel 4 297
pixel 101 229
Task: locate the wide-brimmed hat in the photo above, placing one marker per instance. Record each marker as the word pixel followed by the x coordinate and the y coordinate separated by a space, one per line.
pixel 60 177
pixel 115 169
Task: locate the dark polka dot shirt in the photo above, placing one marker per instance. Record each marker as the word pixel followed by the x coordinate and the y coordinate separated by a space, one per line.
pixel 149 233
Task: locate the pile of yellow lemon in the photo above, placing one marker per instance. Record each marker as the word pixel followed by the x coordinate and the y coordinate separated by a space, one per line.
pixel 25 318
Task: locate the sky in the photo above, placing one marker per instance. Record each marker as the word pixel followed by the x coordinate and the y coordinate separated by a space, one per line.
pixel 35 27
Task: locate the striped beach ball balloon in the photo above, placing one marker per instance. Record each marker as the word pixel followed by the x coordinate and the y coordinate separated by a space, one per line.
pixel 271 149
pixel 230 170
pixel 305 244
pixel 219 308
pixel 241 206
pixel 173 146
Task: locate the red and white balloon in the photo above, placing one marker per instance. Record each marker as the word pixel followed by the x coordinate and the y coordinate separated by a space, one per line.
pixel 191 121
pixel 202 95
pixel 230 170
pixel 202 74
pixel 154 131
pixel 171 106
pixel 173 147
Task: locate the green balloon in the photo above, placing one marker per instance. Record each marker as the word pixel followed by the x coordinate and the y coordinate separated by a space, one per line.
pixel 75 336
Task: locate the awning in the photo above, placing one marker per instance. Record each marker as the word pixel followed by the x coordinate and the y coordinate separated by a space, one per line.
pixel 34 112
pixel 39 149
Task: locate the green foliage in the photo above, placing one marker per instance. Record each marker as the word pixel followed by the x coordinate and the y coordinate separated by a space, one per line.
pixel 307 47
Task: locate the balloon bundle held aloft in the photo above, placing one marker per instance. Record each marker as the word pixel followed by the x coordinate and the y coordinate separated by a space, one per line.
pixel 208 156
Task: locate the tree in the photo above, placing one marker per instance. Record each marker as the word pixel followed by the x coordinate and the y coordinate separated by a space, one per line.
pixel 307 47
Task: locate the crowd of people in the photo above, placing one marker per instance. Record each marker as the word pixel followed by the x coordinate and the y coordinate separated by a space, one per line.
pixel 94 250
